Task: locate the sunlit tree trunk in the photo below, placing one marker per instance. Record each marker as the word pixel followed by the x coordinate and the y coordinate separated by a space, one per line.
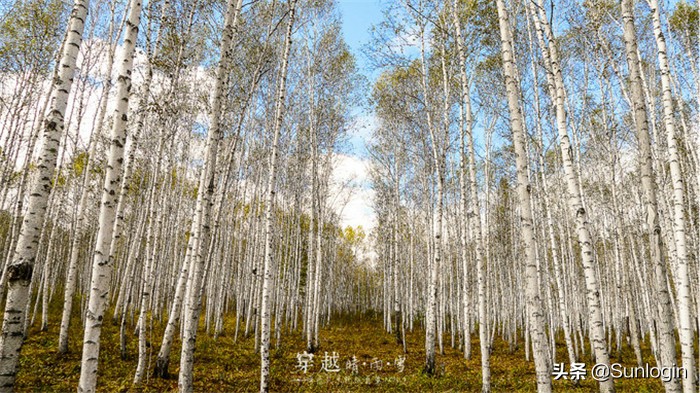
pixel 147 277
pixel 101 268
pixel 269 201
pixel 557 93
pixel 434 265
pixel 19 270
pixel 473 211
pixel 667 342
pixel 535 313
pixel 71 278
pixel 557 262
pixel 197 246
pixel 685 330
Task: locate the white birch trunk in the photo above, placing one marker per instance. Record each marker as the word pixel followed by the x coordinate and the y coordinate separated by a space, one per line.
pixel 19 270
pixel 147 277
pixel 685 328
pixel 666 337
pixel 473 214
pixel 557 93
pixel 203 208
pixel 434 264
pixel 80 214
pixel 269 200
pixel 101 270
pixel 535 315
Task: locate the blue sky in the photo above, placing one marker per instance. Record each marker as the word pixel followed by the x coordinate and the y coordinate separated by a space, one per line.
pixel 358 16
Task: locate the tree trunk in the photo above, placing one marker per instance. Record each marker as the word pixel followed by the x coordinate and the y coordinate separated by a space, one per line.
pixel 667 344
pixel 437 150
pixel 19 271
pixel 200 236
pixel 557 93
pixel 101 269
pixel 69 290
pixel 535 313
pixel 269 201
pixel 685 328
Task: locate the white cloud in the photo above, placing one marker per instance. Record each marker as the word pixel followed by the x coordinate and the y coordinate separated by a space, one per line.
pixel 351 195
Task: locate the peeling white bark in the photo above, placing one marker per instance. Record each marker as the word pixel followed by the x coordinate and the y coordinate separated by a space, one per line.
pixel 535 312
pixel 269 201
pixel 19 271
pixel 102 267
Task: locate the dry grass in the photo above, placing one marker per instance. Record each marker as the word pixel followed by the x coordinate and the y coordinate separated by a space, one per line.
pixel 226 366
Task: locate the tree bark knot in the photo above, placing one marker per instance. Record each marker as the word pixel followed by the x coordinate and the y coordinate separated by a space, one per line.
pixel 20 272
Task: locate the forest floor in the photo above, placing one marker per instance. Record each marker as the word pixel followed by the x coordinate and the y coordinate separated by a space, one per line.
pixel 223 365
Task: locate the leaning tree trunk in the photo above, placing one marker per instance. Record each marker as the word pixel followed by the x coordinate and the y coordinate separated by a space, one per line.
pixel 19 271
pixel 555 86
pixel 147 276
pixel 270 199
pixel 102 267
pixel 71 278
pixel 556 261
pixel 535 313
pixel 137 124
pixel 199 237
pixel 434 264
pixel 473 214
pixel 685 330
pixel 667 342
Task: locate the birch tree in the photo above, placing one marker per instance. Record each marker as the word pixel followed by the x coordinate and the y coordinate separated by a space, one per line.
pixel 472 208
pixel 19 270
pixel 201 221
pixel 101 269
pixel 231 187
pixel 82 204
pixel 534 302
pixel 667 344
pixel 685 328
pixel 555 80
pixel 270 199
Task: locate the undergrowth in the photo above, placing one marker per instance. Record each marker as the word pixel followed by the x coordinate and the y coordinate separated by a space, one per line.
pixel 223 365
